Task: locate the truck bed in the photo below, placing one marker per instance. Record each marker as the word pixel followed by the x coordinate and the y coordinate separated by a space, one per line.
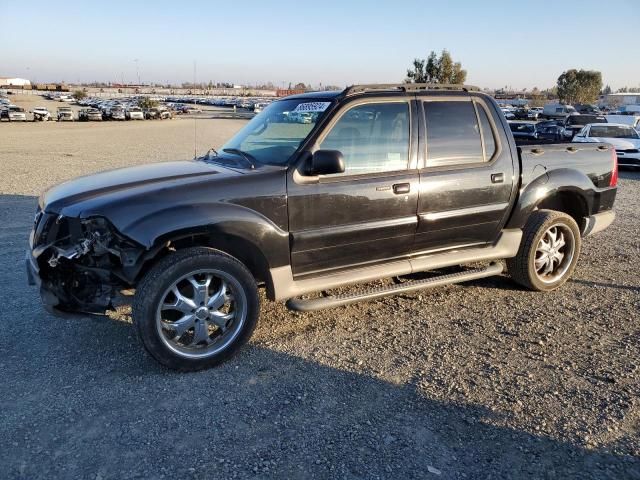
pixel 592 159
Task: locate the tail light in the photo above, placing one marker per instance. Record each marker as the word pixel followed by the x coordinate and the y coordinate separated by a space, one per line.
pixel 614 172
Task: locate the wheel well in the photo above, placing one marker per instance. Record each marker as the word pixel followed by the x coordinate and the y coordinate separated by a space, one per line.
pixel 239 248
pixel 570 203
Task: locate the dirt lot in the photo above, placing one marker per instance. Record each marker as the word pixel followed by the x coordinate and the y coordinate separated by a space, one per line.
pixel 482 380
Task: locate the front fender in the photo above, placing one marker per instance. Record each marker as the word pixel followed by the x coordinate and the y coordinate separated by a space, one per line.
pixel 173 222
pixel 548 184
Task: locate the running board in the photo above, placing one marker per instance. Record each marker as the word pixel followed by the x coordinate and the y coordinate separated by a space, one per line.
pixel 308 305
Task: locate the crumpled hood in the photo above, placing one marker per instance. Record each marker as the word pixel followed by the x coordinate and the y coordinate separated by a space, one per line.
pixel 84 194
pixel 620 143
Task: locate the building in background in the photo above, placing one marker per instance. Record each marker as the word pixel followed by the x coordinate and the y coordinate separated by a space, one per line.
pixel 14 82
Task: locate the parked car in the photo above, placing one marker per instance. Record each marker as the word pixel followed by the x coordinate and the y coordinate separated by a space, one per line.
pixel 135 113
pixel 66 98
pixel 41 114
pixel 587 109
pixel 526 114
pixel 574 123
pixel 550 131
pixel 557 110
pixel 339 201
pixel 158 113
pixel 625 139
pixel 524 133
pixel 13 113
pixel 64 114
pixel 90 114
pixel 117 113
pixel 508 113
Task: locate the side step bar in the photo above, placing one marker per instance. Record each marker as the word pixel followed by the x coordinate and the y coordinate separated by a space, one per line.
pixel 308 305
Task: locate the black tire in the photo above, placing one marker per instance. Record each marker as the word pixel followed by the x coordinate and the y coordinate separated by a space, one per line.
pixel 522 267
pixel 153 287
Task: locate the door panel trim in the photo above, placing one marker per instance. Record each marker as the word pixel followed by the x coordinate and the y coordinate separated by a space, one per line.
pixel 306 239
pixel 461 212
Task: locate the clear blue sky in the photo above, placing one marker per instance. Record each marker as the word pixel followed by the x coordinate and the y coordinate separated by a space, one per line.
pixel 515 43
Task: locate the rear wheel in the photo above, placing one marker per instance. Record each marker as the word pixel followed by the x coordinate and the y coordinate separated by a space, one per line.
pixel 196 308
pixel 548 252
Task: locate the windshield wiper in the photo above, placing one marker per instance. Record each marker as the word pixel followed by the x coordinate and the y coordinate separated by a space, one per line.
pixel 247 157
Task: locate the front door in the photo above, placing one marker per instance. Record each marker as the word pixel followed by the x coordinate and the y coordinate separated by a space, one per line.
pixel 368 213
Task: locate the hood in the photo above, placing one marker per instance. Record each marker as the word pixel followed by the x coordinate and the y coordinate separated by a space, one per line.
pixel 620 143
pixel 85 195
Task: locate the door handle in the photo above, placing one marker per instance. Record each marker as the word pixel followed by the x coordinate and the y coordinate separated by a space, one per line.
pixel 400 188
pixel 497 177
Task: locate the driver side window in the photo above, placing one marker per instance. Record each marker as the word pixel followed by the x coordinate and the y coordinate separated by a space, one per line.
pixel 372 138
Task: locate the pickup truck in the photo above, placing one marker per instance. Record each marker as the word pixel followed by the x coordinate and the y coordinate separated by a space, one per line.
pixel 372 182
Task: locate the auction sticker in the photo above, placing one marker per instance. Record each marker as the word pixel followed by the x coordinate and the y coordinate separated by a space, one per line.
pixel 312 107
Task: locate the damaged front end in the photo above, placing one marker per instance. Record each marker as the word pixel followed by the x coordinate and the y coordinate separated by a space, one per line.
pixel 80 264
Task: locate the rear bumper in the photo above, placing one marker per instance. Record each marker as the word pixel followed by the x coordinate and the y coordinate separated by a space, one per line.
pixel 598 222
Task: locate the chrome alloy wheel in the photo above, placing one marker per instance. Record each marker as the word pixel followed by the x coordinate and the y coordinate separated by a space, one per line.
pixel 554 253
pixel 201 313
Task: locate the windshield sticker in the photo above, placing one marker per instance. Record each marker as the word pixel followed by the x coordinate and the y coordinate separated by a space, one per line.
pixel 312 107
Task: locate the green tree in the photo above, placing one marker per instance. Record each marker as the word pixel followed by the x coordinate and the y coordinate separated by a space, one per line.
pixel 79 94
pixel 146 103
pixel 436 69
pixel 579 86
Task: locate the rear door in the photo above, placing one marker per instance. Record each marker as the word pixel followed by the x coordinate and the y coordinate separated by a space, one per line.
pixel 368 213
pixel 467 179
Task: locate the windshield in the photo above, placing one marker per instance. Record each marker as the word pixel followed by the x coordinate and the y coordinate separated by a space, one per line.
pixel 275 134
pixel 609 131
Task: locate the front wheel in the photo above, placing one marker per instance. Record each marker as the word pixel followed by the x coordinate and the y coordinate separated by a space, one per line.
pixel 548 252
pixel 195 308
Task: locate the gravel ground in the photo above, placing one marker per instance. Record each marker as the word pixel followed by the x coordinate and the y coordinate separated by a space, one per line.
pixel 482 380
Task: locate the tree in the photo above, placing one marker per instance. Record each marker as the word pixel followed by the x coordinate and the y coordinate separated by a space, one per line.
pixel 146 103
pixel 579 86
pixel 300 86
pixel 436 70
pixel 79 94
pixel 606 90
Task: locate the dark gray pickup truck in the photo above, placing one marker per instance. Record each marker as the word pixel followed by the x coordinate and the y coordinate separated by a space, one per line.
pixel 319 191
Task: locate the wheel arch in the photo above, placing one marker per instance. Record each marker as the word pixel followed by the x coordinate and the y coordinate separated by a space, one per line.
pixel 563 190
pixel 234 229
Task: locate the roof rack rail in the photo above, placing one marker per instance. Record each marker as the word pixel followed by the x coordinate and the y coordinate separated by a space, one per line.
pixel 406 87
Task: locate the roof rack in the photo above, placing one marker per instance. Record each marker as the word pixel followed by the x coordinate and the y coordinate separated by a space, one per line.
pixel 406 87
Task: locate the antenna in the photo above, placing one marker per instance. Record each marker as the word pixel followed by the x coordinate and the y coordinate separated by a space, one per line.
pixel 195 122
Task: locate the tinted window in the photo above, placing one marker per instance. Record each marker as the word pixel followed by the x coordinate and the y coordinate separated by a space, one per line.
pixel 487 133
pixel 453 134
pixel 372 138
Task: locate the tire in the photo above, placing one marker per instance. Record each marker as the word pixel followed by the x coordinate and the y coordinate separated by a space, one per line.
pixel 530 266
pixel 177 330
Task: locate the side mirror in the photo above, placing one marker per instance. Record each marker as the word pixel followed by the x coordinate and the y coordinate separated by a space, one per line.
pixel 326 162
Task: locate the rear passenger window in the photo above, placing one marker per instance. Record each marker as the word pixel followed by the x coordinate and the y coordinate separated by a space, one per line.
pixel 453 134
pixel 372 138
pixel 487 133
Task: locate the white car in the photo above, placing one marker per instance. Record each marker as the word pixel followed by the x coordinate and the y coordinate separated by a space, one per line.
pixel 13 113
pixel 135 113
pixel 624 139
pixel 41 114
pixel 508 113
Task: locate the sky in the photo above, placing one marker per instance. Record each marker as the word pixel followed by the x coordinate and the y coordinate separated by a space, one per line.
pixel 519 44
